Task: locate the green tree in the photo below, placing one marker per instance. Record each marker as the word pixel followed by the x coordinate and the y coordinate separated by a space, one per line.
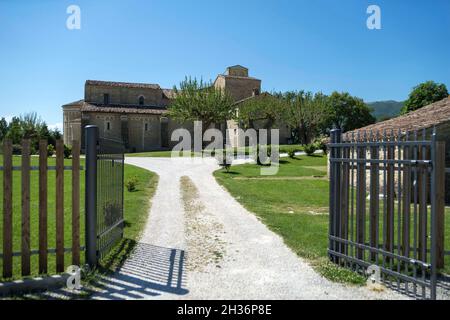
pixel 31 125
pixel 348 112
pixel 197 100
pixel 261 112
pixel 265 111
pixel 424 94
pixel 51 136
pixel 15 131
pixel 3 128
pixel 306 113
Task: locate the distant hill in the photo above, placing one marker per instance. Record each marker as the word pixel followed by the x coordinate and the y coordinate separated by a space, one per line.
pixel 383 110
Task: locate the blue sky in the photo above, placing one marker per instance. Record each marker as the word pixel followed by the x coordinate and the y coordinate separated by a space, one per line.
pixel 313 45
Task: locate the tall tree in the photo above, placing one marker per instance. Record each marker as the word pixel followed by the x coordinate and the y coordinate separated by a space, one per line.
pixel 306 113
pixel 424 94
pixel 261 112
pixel 201 101
pixel 15 130
pixel 3 128
pixel 51 135
pixel 348 112
pixel 265 111
pixel 31 125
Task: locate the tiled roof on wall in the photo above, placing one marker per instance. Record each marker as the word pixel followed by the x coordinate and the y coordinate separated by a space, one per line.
pixel 89 107
pixel 122 84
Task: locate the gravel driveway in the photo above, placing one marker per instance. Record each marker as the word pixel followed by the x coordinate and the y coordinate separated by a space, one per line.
pixel 249 261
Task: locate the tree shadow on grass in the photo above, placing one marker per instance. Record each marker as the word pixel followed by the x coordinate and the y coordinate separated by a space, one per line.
pixel 315 155
pixel 230 172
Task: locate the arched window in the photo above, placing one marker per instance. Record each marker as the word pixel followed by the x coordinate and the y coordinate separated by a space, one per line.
pixel 141 100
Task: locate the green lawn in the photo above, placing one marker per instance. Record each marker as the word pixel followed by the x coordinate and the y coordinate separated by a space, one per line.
pixel 294 204
pixel 168 153
pixel 157 154
pixel 136 206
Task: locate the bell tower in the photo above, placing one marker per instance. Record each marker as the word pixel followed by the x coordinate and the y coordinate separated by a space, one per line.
pixel 236 82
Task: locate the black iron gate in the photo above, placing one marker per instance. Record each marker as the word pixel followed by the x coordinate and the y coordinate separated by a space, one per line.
pixel 387 207
pixel 104 194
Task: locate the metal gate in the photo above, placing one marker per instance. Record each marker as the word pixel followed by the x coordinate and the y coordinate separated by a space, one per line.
pixel 104 194
pixel 387 207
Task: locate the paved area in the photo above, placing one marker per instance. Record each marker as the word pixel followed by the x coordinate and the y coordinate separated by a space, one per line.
pixel 253 262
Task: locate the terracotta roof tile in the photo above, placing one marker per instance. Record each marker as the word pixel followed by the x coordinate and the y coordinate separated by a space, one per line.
pixel 75 103
pixel 169 93
pixel 89 107
pixel 123 84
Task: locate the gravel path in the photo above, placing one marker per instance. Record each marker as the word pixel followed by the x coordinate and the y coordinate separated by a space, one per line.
pixel 251 263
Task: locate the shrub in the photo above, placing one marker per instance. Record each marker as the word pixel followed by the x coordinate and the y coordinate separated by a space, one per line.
pixel 16 149
pixel 50 150
pixel 132 183
pixel 291 153
pixel 321 145
pixel 310 149
pixel 67 151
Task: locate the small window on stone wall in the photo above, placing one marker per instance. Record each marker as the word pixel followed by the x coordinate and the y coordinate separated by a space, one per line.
pixel 106 98
pixel 141 100
pixel 108 125
pixel 146 127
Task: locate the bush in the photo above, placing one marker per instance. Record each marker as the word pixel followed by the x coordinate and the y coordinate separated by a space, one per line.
pixel 291 153
pixel 67 151
pixel 16 149
pixel 321 145
pixel 132 183
pixel 50 150
pixel 310 149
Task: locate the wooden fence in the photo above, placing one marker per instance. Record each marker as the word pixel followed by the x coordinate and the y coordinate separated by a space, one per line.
pixel 43 215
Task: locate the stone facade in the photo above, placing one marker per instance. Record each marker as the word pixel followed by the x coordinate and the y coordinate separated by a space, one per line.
pixel 136 113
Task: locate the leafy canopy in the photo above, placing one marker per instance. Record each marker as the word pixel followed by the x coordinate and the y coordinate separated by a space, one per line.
pixel 306 113
pixel 28 126
pixel 262 111
pixel 3 128
pixel 424 94
pixel 348 112
pixel 198 100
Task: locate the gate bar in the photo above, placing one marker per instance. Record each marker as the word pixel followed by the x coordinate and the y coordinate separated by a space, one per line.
pixel 91 143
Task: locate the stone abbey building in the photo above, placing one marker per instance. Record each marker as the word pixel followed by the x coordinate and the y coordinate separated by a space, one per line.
pixel 136 113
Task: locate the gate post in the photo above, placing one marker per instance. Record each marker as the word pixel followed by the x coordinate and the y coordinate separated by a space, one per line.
pixel 91 144
pixel 437 209
pixel 335 201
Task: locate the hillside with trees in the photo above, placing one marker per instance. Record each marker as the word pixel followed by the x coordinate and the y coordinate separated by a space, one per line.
pixel 383 110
